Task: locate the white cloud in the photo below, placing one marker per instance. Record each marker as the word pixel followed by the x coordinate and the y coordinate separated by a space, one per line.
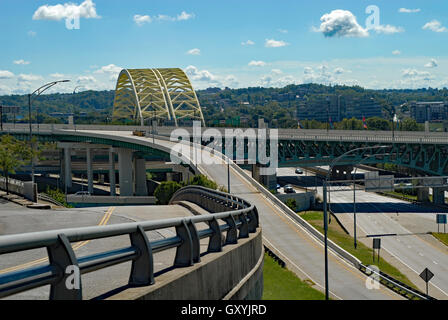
pixel 340 23
pixel 415 74
pixel 185 16
pixel 109 69
pixel 32 33
pixel 269 81
pixel 387 29
pixel 405 10
pixel 431 64
pixel 254 63
pixel 396 52
pixel 21 62
pixel 141 20
pixel 276 71
pixel 282 30
pixel 194 52
pixel 5 74
pixel 340 70
pixel 231 81
pixel 86 79
pixel 28 77
pixel 57 75
pixel 68 10
pixel 200 75
pixel 248 43
pixel 271 43
pixel 435 26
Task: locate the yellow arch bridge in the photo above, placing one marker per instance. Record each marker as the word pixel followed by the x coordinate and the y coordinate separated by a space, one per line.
pixel 165 93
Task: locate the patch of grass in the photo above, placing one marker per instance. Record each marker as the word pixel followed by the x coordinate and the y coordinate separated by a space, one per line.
pixel 442 237
pixel 282 284
pixel 345 241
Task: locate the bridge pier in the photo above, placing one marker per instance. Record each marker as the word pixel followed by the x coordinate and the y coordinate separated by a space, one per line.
pixel 89 156
pixel 438 195
pixel 126 178
pixel 423 194
pixel 67 167
pixel 270 181
pixel 112 172
pixel 140 177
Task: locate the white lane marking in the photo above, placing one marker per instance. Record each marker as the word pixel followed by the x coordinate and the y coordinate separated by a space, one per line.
pixel 435 262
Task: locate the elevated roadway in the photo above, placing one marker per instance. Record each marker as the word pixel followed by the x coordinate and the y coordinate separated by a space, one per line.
pixel 281 232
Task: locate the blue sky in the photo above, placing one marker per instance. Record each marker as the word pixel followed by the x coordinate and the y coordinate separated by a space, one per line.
pixel 225 43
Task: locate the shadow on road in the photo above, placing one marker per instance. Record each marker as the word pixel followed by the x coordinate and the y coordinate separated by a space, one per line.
pixel 372 207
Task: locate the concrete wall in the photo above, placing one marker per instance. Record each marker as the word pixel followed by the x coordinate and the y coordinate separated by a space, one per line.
pixel 234 273
pixel 25 189
pixel 304 200
pixel 72 199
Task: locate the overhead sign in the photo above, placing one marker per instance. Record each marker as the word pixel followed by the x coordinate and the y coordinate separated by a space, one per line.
pixel 376 183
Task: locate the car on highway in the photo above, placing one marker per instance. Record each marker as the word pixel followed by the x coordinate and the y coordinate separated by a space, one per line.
pixel 82 193
pixel 289 189
pixel 299 171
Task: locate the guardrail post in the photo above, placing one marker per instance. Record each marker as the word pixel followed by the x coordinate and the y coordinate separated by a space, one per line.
pixel 215 242
pixel 232 233
pixel 184 253
pixel 244 228
pixel 62 256
pixel 195 241
pixel 253 223
pixel 142 270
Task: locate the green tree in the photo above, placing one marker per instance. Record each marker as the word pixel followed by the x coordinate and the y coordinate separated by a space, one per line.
pixel 409 125
pixel 165 191
pixel 13 155
pixel 292 204
pixel 201 180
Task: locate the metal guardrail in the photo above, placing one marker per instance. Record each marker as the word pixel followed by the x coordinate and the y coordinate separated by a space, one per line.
pixel 240 219
pixel 45 197
pixel 395 285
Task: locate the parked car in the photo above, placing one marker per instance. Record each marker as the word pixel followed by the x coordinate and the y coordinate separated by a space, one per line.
pixel 288 189
pixel 299 171
pixel 82 193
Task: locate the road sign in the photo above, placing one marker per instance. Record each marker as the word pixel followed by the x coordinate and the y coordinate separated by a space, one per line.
pixel 377 243
pixel 426 275
pixel 441 218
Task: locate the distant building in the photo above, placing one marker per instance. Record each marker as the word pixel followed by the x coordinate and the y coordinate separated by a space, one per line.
pixel 338 107
pixel 436 111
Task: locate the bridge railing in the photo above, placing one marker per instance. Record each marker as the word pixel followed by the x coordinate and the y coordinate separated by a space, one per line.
pixel 65 267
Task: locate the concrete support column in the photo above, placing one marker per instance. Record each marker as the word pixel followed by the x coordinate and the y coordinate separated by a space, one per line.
pixel 125 165
pixel 256 172
pixel 140 178
pixel 112 172
pixel 89 155
pixel 270 181
pixel 438 195
pixel 68 167
pixel 423 194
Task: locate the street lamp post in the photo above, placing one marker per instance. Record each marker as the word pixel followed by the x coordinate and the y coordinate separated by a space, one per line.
pixel 325 183
pixel 37 93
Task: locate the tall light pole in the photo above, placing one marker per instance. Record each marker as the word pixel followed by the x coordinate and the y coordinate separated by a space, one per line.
pixel 325 182
pixel 37 93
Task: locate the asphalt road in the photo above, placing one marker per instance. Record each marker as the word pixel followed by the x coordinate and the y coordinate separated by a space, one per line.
pixel 377 214
pixel 283 233
pixel 16 219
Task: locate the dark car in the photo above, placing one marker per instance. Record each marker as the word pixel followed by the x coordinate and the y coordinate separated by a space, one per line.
pixel 299 171
pixel 288 189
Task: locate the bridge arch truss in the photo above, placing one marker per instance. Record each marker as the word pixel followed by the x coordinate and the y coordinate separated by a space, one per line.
pixel 151 94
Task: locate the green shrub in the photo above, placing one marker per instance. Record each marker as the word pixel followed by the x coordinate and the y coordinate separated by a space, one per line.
pixel 292 204
pixel 201 180
pixel 57 195
pixel 165 191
